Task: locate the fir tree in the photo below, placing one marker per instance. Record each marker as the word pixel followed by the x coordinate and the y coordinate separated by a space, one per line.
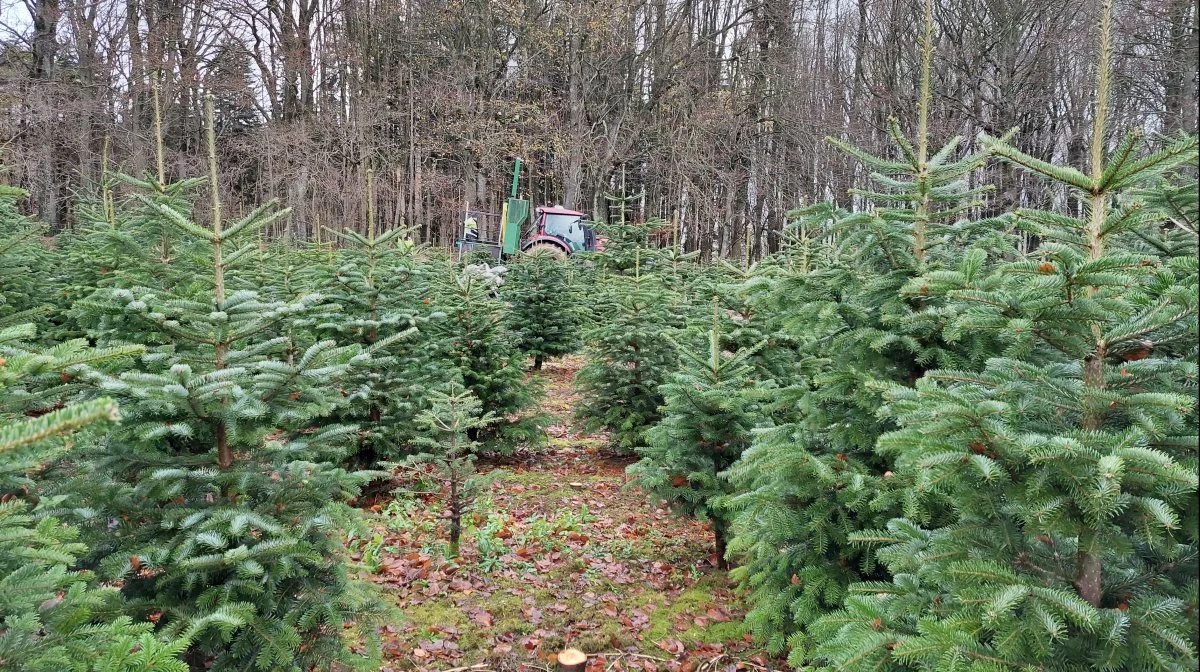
pixel 452 416
pixel 383 288
pixel 53 617
pixel 707 418
pixel 1068 459
pixel 544 312
pixel 471 338
pixel 811 478
pixel 626 247
pixel 629 357
pixel 23 285
pixel 219 492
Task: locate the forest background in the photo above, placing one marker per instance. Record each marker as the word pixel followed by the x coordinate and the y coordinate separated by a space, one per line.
pixel 711 113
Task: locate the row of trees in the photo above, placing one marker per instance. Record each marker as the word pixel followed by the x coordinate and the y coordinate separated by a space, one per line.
pixel 927 446
pixel 186 415
pixel 711 112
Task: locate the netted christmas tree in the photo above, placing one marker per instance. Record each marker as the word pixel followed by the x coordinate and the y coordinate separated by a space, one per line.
pixel 544 312
pixel 1068 458
pixel 710 407
pixel 220 492
pixel 629 357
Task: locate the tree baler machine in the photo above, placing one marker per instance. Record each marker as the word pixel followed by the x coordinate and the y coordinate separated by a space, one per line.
pixel 552 230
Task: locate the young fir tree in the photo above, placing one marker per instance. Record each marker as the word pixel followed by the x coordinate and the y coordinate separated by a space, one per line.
pixel 452 416
pixel 382 287
pixel 1068 459
pixel 470 336
pixel 629 357
pixel 708 414
pixel 626 247
pixel 220 491
pixel 53 617
pixel 812 479
pixel 742 297
pixel 120 242
pixel 544 312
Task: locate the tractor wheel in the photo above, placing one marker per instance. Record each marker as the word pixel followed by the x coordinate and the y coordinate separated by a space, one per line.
pixel 548 249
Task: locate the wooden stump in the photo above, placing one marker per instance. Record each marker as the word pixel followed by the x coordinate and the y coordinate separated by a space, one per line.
pixel 572 660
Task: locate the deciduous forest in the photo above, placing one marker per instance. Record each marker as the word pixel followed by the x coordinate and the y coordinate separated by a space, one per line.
pixel 713 113
pixel 688 335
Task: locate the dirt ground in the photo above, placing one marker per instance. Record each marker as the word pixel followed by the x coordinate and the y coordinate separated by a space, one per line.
pixel 560 553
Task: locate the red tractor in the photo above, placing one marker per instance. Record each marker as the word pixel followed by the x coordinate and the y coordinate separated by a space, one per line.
pixel 560 232
pixel 554 230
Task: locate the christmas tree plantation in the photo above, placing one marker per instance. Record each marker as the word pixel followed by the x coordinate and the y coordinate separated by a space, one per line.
pixel 929 431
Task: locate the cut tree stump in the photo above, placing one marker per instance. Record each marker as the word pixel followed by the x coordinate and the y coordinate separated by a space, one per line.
pixel 572 660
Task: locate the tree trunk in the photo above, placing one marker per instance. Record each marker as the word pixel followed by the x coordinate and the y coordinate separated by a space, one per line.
pixel 44 45
pixel 1181 66
pixel 455 518
pixel 1088 570
pixel 573 183
pixel 719 543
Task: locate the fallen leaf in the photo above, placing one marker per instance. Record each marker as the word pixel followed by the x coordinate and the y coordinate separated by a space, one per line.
pixel 717 614
pixel 483 618
pixel 673 646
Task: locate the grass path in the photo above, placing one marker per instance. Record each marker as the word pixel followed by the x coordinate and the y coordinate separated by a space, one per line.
pixel 560 553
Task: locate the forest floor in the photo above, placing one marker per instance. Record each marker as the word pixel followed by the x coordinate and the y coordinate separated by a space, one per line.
pixel 559 554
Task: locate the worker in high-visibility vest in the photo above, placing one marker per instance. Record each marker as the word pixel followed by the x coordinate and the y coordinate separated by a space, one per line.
pixel 470 229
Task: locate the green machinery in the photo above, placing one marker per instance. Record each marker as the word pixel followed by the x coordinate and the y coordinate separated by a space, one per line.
pixel 555 230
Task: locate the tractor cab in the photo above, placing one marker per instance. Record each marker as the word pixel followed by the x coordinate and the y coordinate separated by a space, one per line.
pixel 568 230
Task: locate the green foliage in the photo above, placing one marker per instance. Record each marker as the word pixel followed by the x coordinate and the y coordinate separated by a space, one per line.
pixel 382 287
pixel 53 617
pixel 708 413
pixel 544 312
pixel 845 325
pixel 471 340
pixel 23 264
pixel 219 492
pixel 451 417
pixel 1172 231
pixel 629 357
pixel 1064 467
pixel 626 247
